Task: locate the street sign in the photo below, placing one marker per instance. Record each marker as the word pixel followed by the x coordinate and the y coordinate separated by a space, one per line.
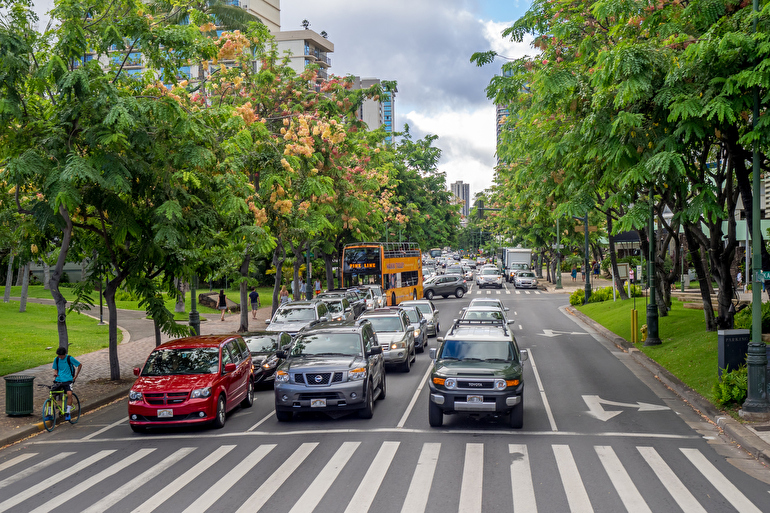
pixel 580 228
pixel 762 276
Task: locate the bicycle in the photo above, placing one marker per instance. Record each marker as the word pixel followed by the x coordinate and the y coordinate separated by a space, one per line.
pixel 55 406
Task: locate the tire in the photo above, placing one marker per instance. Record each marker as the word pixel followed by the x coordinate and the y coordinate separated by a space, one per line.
pixel 367 412
pixel 75 412
pixel 429 294
pixel 248 401
pixel 517 415
pixel 283 416
pixel 383 387
pixel 414 294
pixel 407 365
pixel 459 293
pixel 138 429
pixel 219 419
pixel 421 349
pixel 445 296
pixel 49 410
pixel 393 299
pixel 435 415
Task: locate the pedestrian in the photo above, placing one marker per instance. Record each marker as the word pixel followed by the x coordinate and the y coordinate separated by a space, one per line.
pixel 222 304
pixel 284 294
pixel 596 268
pixel 254 296
pixel 631 275
pixel 574 273
pixel 302 289
pixel 317 286
pixel 65 371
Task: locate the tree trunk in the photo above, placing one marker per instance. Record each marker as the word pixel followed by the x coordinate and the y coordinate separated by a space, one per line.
pixel 244 317
pixel 20 276
pixel 180 299
pixel 156 325
pixel 46 276
pixel 8 279
pixel 109 298
pixel 297 252
pixel 279 255
pixel 58 271
pixel 24 288
pixel 614 261
pixel 328 265
pixel 703 283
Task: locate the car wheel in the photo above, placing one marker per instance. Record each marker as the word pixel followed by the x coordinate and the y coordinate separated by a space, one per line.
pixel 429 294
pixel 219 419
pixel 414 295
pixel 517 415
pixel 407 365
pixel 383 387
pixel 248 401
pixel 435 415
pixel 393 299
pixel 283 416
pixel 421 348
pixel 459 293
pixel 367 412
pixel 445 296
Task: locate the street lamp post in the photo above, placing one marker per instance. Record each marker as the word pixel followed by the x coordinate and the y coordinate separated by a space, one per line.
pixel 652 307
pixel 588 271
pixel 558 257
pixel 195 318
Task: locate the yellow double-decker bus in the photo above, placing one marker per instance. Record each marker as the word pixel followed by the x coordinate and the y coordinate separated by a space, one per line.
pixel 395 266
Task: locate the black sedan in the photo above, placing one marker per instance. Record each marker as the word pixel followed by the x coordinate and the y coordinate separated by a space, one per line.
pixel 263 346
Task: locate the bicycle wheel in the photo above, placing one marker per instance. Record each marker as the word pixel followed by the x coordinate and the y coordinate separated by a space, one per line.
pixel 75 413
pixel 49 415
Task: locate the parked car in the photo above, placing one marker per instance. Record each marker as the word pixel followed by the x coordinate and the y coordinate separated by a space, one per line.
pixel 429 311
pixel 444 286
pixel 297 315
pixel 395 335
pixel 339 308
pixel 337 366
pixel 420 325
pixel 525 279
pixel 191 380
pixel 263 346
pixel 489 277
pixel 357 302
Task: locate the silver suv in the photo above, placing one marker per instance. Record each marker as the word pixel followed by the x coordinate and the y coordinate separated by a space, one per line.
pixel 395 334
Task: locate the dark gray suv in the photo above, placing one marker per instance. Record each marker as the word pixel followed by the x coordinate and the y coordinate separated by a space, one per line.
pixel 333 367
pixel 445 285
pixel 297 315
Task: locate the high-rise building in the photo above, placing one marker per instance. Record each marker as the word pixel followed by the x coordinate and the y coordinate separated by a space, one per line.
pixel 501 115
pixel 462 192
pixel 377 113
pixel 306 47
pixel 269 11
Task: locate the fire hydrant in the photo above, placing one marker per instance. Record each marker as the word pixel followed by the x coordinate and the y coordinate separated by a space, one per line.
pixel 643 329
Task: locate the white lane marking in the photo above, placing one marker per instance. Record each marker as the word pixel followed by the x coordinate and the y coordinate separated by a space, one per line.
pixel 489 292
pixel 59 476
pixel 97 433
pixel 34 468
pixel 414 399
pixel 255 426
pixel 76 490
pixel 321 484
pixel 527 292
pixel 16 460
pixel 673 484
pixel 720 482
pixel 473 479
pixel 137 482
pixel 537 292
pixel 507 291
pixel 243 468
pixel 276 479
pixel 515 313
pixel 364 496
pixel 184 479
pixel 570 478
pixel 498 292
pixel 521 480
pixel 518 292
pixel 542 392
pixel 422 479
pixel 622 482
pixel 521 327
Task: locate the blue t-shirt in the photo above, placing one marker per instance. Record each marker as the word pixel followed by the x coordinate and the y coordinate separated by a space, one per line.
pixel 64 369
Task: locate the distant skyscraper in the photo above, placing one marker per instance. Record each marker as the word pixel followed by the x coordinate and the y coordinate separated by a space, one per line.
pixel 500 118
pixel 462 192
pixel 306 47
pixel 377 113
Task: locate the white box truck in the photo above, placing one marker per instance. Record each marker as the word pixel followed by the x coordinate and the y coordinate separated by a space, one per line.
pixel 514 260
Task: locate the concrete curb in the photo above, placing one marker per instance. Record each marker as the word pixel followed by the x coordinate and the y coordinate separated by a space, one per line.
pixel 737 432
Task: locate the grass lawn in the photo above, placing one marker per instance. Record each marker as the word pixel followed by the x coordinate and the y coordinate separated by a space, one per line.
pixel 688 351
pixel 30 339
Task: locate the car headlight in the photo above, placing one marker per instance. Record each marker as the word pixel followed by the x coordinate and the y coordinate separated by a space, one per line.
pixel 270 363
pixel 450 383
pixel 200 393
pixel 134 396
pixel 417 332
pixel 500 384
pixel 282 377
pixel 357 374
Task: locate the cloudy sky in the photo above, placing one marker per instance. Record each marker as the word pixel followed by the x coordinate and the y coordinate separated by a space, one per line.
pixel 425 45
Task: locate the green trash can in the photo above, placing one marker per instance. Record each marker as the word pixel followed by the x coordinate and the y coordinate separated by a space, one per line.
pixel 19 395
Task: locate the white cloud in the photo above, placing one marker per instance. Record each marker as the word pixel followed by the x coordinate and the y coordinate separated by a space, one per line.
pixel 493 31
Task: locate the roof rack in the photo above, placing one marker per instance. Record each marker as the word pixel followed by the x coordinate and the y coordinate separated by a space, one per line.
pixel 479 322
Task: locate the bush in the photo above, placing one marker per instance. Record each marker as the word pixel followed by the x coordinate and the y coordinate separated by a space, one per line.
pixel 124 295
pixel 598 295
pixel 733 387
pixel 743 318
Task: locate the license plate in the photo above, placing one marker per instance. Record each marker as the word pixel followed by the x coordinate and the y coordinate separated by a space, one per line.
pixel 318 403
pixel 475 399
pixel 165 413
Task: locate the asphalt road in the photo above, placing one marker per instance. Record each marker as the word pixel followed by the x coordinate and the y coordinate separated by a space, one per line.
pixel 600 434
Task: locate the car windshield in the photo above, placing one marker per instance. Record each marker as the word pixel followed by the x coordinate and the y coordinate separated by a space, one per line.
pixel 475 350
pixel 335 306
pixel 386 323
pixel 424 308
pixel 170 362
pixel 329 344
pixel 484 315
pixel 261 344
pixel 412 314
pixel 294 315
pixel 489 272
pixel 486 302
pixel 526 274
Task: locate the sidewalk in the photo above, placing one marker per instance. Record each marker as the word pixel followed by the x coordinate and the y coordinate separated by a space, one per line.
pixel 753 437
pixel 94 387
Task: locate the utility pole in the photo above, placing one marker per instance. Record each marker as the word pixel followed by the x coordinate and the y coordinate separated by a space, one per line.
pixel 652 307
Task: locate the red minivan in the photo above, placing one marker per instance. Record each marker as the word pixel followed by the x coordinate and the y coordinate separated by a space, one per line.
pixel 190 381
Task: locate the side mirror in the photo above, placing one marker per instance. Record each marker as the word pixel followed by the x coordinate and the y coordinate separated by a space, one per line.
pixel 507 309
pixel 323 319
pixel 137 371
pixel 230 367
pixel 511 321
pixel 432 353
pixel 435 312
pixel 524 355
pixel 440 340
pixel 267 321
pixel 281 353
pixel 374 350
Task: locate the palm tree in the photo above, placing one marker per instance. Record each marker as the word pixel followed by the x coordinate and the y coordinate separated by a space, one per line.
pixel 305 24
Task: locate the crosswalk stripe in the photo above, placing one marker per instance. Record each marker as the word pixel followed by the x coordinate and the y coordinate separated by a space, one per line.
pixel 673 484
pixel 79 488
pixel 537 292
pixel 419 488
pixel 364 496
pixel 16 460
pixel 177 484
pixel 59 476
pixel 507 291
pixel 473 479
pixel 34 468
pixel 570 478
pixel 518 292
pixel 214 493
pixel 719 481
pixel 143 478
pixel 622 482
pixel 521 480
pixel 326 477
pixel 276 479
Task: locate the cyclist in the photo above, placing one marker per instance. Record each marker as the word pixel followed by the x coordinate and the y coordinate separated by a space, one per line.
pixel 65 372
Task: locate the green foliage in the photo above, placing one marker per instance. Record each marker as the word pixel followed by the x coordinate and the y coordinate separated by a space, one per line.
pixel 599 295
pixel 743 318
pixel 732 388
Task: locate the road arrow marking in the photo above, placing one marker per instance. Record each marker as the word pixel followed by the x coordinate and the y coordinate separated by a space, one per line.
pixel 554 333
pixel 594 403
